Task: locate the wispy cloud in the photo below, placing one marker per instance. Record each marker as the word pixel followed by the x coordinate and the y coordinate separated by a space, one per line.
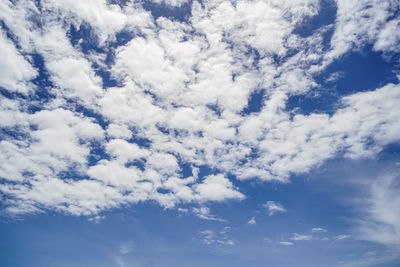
pixel 285 243
pixel 318 230
pixel 380 209
pixel 126 247
pixel 211 237
pixel 274 207
pixel 341 237
pixel 205 214
pixel 300 237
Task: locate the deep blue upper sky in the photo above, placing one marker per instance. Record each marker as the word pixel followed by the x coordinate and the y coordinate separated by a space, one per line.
pixel 210 133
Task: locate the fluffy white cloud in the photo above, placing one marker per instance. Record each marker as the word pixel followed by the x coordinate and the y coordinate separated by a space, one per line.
pixel 107 19
pixel 217 188
pixel 15 70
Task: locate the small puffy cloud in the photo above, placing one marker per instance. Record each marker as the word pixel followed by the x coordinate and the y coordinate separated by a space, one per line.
pixel 217 188
pixel 252 221
pixel 124 151
pixel 274 207
pixel 360 22
pixel 96 219
pixel 15 71
pixel 389 37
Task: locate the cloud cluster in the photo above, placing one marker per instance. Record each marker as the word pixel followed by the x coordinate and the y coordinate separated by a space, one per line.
pixel 117 122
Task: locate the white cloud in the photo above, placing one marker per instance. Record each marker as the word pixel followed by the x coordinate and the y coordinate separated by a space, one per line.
pixel 358 23
pixel 106 19
pixel 252 221
pixel 318 230
pixel 149 67
pixel 300 237
pixel 61 139
pixel 217 238
pixel 119 131
pixel 389 37
pixel 15 70
pixel 217 188
pixel 274 207
pixel 96 219
pixel 205 214
pixel 182 210
pixel 285 243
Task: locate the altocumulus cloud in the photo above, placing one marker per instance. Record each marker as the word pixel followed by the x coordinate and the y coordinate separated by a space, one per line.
pixel 92 126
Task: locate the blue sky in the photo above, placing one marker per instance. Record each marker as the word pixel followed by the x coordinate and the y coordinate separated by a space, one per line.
pixel 200 133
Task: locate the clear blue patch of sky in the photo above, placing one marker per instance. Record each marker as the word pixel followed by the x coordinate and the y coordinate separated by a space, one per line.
pixel 255 102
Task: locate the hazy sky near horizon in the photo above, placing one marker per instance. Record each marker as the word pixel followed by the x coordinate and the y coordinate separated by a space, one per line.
pixel 200 133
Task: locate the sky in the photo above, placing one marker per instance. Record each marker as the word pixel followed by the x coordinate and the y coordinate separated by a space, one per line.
pixel 199 133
